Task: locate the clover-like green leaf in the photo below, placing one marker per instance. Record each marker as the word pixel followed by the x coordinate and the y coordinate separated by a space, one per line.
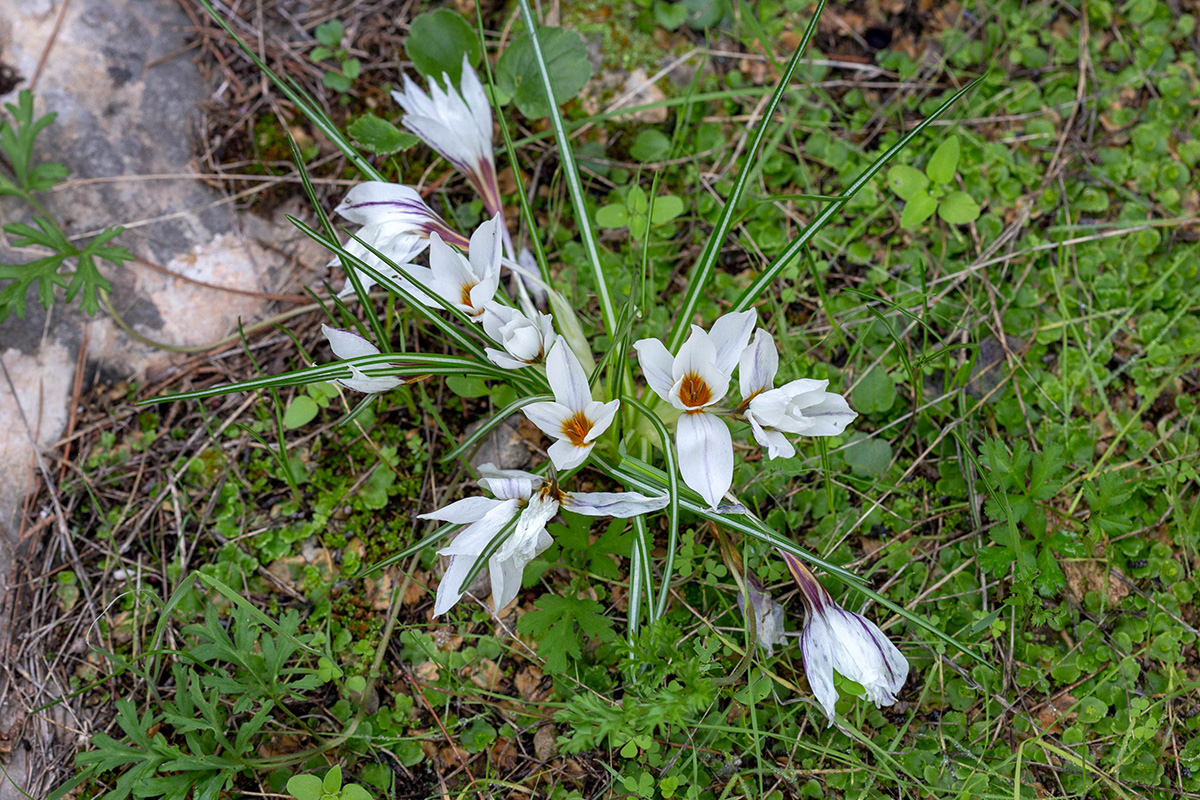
pixel 380 136
pixel 305 787
pixel 958 208
pixel 944 161
pixel 919 208
pixel 518 77
pixel 437 41
pixel 907 182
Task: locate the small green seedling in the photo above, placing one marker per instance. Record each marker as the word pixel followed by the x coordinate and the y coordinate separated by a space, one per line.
pixel 926 192
pixel 632 213
pixel 310 787
pixel 330 35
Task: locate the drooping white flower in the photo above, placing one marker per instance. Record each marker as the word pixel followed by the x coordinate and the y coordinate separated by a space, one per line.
pixel 526 339
pixel 346 344
pixel 836 639
pixel 396 208
pixel 532 501
pixel 692 381
pixel 799 407
pixel 466 282
pixel 573 418
pixel 768 615
pixel 397 223
pixel 400 248
pixel 457 123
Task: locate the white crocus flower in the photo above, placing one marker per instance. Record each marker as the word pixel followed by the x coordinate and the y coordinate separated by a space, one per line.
pixel 350 345
pixel 400 248
pixel 457 123
pixel 692 381
pixel 397 223
pixel 532 501
pixel 396 208
pixel 466 282
pixel 836 639
pixel 574 419
pixel 799 407
pixel 526 339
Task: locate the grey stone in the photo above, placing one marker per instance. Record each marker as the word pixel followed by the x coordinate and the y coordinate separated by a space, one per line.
pixel 127 118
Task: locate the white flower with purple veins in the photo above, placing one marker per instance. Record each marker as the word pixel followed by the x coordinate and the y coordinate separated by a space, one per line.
pixel 573 418
pixel 457 123
pixel 836 639
pixel 800 407
pixel 692 381
pixel 350 345
pixel 397 209
pixel 532 501
pixel 396 222
pixel 465 282
pixel 525 339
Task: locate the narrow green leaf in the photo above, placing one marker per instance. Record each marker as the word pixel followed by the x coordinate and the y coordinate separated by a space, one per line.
pixel 699 276
pixel 760 284
pixel 571 173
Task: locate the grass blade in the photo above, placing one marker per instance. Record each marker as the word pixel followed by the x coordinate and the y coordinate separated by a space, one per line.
pixel 821 220
pixel 698 278
pixel 571 173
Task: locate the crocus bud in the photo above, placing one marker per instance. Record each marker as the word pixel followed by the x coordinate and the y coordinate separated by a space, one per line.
pixel 836 639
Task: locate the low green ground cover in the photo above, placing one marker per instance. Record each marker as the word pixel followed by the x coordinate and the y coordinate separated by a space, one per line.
pixel 1012 308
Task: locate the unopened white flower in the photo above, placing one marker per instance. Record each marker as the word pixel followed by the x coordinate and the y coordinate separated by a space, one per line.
pixel 799 407
pixel 526 339
pixel 457 123
pixel 350 345
pixel 836 639
pixel 692 381
pixel 532 501
pixel 768 615
pixel 466 282
pixel 573 418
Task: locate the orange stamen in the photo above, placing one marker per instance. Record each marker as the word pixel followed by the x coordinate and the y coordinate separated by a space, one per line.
pixel 576 429
pixel 694 392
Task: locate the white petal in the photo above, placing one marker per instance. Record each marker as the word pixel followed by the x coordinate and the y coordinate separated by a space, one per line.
pixel 730 334
pixel 477 102
pixel 698 354
pixel 346 344
pixel 705 455
pixel 567 378
pixel 816 646
pixel 450 274
pixel 776 442
pixel 462 512
pixel 566 455
pixel 486 249
pixel 601 415
pixel 758 364
pixel 656 363
pixel 614 504
pixel 503 360
pixel 375 202
pixel 549 416
pixel 473 539
pixel 360 382
pixel 447 591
